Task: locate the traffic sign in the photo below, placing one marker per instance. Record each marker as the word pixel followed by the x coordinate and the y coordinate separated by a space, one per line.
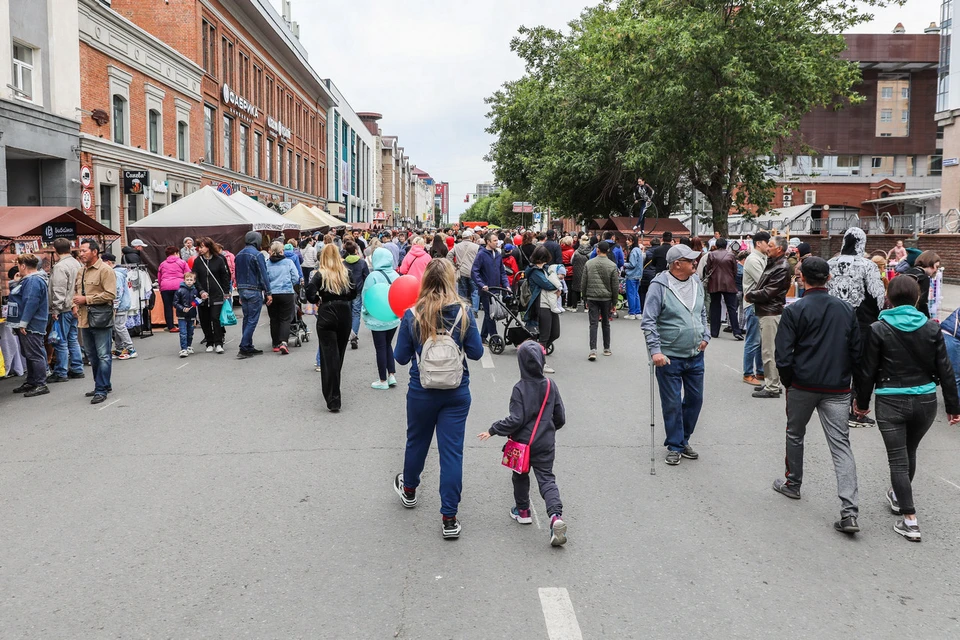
pixel 225 188
pixel 86 198
pixel 86 176
pixel 536 216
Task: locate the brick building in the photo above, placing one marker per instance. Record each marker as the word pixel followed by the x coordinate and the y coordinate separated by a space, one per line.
pixel 263 108
pixel 885 145
pixel 142 119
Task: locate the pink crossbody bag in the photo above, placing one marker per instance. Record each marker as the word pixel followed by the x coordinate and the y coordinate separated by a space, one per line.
pixel 516 455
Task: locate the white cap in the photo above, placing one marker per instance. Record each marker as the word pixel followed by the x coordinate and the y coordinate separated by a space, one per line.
pixel 138 243
pixel 467 233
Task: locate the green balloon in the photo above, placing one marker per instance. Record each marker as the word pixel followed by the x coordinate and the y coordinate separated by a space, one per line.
pixel 376 300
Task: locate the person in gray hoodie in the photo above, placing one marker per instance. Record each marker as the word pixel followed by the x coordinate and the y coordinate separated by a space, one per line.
pixel 526 404
pixel 675 325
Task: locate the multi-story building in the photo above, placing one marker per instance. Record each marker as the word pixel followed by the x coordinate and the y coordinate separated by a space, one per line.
pixel 441 201
pixel 39 104
pixel 884 145
pixel 390 177
pixel 142 119
pixel 948 110
pixel 486 189
pixel 424 192
pixel 351 146
pixel 370 120
pixel 263 107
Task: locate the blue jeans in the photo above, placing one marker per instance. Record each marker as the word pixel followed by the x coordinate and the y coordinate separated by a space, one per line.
pixel 252 304
pixel 67 351
pixel 953 351
pixel 752 360
pixel 96 343
pixel 357 306
pixel 633 297
pixel 443 411
pixel 680 415
pixel 467 289
pixel 186 332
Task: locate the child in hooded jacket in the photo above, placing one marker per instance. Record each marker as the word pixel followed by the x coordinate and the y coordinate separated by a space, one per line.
pixel 184 301
pixel 525 403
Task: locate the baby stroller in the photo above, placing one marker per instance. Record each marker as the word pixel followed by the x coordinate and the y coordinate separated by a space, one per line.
pixel 299 331
pixel 505 307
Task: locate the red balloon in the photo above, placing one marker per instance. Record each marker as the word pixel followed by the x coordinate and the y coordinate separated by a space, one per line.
pixel 190 261
pixel 403 294
pixel 517 239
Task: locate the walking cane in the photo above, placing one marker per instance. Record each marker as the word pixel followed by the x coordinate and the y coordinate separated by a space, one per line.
pixel 653 468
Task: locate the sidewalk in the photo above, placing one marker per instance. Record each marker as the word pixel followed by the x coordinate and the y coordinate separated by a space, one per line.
pixel 950 300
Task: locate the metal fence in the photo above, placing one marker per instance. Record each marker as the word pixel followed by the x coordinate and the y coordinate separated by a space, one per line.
pixel 907 224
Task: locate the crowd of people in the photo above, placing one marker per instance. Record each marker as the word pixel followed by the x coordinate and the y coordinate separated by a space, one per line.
pixel 830 334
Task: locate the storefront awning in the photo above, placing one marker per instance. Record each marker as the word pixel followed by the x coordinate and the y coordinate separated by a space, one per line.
pixel 28 222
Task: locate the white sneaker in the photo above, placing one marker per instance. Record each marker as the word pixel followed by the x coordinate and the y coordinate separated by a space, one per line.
pixel 548 369
pixel 317 369
pixel 631 317
pixel 190 350
pixel 184 353
pixel 209 348
pixel 219 348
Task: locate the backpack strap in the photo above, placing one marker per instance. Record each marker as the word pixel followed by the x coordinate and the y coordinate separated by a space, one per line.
pixel 540 415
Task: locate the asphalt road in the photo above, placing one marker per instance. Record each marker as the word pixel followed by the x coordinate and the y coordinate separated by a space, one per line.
pixel 217 498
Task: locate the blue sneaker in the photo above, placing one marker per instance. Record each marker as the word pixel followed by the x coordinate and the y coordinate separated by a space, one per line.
pixel 521 515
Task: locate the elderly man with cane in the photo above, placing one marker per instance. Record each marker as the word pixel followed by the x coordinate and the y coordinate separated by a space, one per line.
pixel 675 326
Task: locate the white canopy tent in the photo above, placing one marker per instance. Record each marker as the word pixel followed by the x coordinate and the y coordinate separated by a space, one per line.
pixel 261 217
pixel 330 220
pixel 306 217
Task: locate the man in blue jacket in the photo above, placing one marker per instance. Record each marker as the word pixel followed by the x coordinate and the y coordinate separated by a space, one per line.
pixel 488 272
pixel 616 254
pixel 253 285
pixel 27 315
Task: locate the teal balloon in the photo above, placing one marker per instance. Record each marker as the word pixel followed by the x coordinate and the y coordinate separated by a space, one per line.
pixel 376 299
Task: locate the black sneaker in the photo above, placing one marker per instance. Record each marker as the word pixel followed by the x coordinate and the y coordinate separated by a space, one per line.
pixel 355 343
pixel 689 453
pixel 24 388
pixel 97 399
pixel 780 486
pixel 860 422
pixel 407 496
pixel 847 525
pixel 451 528
pixel 243 355
pixel 673 458
pixel 76 376
pixel 255 352
pixel 894 503
pixel 909 531
pixel 55 379
pixel 42 390
pixel 766 393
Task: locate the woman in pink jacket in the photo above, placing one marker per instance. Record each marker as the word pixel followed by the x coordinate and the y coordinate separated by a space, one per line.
pixel 416 260
pixel 169 277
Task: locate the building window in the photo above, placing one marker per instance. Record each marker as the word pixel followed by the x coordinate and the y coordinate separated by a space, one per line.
pixel 244 80
pixel 281 168
pixel 269 159
pixel 227 142
pixel 886 115
pixel 299 176
pixel 258 86
pixel 291 171
pixel 23 71
pixel 153 141
pixel 911 165
pixel 848 161
pixel 209 113
pixel 119 119
pixel 904 116
pixel 882 165
pixel 894 88
pixel 886 93
pixel 244 133
pixel 257 150
pixel 935 166
pixel 133 208
pixel 182 141
pixel 816 162
pixel 905 93
pixel 209 43
pixel 106 204
pixel 226 63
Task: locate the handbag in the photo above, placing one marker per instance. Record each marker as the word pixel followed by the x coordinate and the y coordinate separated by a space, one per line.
pixel 516 455
pixel 99 316
pixel 227 317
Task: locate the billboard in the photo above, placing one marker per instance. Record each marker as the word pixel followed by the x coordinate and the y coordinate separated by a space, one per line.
pixel 443 197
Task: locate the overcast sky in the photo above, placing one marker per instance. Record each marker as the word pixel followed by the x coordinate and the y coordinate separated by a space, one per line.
pixel 427 65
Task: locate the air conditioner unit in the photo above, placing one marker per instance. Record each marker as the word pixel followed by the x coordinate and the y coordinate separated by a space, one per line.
pixel 809 196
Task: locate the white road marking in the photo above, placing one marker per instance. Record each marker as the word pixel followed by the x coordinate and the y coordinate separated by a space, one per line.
pixel 107 405
pixel 731 368
pixel 536 518
pixel 486 360
pixel 950 483
pixel 559 615
pixel 182 366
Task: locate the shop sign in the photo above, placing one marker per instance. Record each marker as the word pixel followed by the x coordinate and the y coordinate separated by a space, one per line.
pixel 159 187
pixel 278 128
pixel 56 230
pixel 241 103
pixel 134 182
pixel 380 215
pixel 86 199
pixel 86 176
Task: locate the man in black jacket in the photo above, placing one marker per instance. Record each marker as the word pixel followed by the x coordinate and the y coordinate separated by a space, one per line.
pixel 556 253
pixel 642 196
pixel 768 299
pixel 817 350
pixel 658 255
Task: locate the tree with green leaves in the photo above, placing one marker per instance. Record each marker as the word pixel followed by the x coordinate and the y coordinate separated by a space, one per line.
pixel 695 91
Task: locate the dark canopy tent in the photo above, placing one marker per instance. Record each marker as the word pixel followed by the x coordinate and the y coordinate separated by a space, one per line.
pixel 27 223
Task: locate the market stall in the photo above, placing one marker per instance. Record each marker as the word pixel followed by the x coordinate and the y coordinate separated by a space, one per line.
pixel 307 217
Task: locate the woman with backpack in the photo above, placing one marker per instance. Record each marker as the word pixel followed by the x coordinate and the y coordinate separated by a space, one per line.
pixel 332 291
pixel 383 332
pixel 436 335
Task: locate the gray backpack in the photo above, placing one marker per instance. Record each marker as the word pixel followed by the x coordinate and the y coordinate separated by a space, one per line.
pixel 441 360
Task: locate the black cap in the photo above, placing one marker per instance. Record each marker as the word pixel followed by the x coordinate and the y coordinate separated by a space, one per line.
pixel 108 257
pixel 815 268
pixel 803 249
